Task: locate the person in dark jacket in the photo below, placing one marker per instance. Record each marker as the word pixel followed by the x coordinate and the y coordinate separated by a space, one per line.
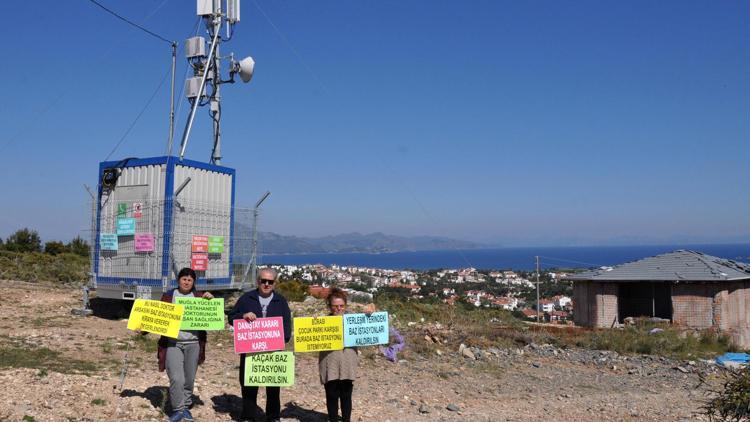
pixel 262 302
pixel 181 356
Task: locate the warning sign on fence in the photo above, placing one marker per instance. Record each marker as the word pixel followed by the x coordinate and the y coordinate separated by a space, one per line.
pixel 199 244
pixel 199 262
pixel 215 244
pixel 108 241
pixel 126 226
pixel 144 242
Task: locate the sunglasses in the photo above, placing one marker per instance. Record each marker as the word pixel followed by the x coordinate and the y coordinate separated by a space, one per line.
pixel 268 282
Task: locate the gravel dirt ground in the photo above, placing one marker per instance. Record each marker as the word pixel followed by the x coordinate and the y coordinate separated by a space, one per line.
pixel 60 367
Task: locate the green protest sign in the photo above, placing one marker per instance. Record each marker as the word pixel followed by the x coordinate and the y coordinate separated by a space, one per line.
pixel 215 244
pixel 202 314
pixel 272 369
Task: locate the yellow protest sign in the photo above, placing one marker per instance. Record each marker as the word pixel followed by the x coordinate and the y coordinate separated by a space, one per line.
pixel 313 334
pixel 156 317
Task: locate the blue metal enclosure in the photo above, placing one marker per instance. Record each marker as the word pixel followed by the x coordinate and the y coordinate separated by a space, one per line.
pixel 157 215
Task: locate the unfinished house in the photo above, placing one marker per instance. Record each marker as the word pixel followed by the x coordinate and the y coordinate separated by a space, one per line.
pixel 685 287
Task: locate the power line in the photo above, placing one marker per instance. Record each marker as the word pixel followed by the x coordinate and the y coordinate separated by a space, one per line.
pixel 126 20
pixel 569 261
pixel 156 91
pixel 153 12
pixel 33 122
pixel 291 47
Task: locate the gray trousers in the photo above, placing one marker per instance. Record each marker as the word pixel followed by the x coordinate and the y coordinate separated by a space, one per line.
pixel 182 363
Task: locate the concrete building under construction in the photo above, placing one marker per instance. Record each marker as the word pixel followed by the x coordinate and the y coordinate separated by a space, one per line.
pixel 685 287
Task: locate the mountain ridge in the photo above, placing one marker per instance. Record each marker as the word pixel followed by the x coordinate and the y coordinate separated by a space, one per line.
pixel 355 242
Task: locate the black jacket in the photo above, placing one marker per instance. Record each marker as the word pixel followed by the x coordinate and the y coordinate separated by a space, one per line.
pixel 278 307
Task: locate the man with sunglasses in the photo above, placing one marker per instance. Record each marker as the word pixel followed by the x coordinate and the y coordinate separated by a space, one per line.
pixel 262 302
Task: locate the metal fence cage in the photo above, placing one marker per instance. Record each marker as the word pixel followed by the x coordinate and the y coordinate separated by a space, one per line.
pixel 143 229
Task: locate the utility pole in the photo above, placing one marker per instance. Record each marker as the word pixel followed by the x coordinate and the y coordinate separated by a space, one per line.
pixel 538 306
pixel 253 267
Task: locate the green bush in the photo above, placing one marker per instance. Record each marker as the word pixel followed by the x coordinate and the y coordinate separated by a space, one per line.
pixel 79 247
pixel 292 290
pixel 462 314
pixel 24 240
pixel 65 267
pixel 671 341
pixel 54 248
pixel 732 401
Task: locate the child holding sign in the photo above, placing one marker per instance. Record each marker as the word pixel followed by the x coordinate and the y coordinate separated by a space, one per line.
pixel 181 356
pixel 338 368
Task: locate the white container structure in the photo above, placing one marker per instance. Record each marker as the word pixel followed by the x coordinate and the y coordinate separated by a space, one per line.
pixel 155 216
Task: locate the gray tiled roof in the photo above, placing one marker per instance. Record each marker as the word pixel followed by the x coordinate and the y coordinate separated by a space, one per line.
pixel 680 265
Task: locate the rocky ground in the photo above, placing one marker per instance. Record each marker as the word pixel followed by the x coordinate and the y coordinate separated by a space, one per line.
pixel 58 367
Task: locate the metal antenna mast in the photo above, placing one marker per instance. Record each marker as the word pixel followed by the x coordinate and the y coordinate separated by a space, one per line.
pixel 215 96
pixel 206 68
pixel 170 140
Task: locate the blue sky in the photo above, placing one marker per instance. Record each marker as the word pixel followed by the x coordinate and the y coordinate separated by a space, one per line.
pixel 511 123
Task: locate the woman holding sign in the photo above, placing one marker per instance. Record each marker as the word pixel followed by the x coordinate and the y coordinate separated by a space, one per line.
pixel 181 356
pixel 338 368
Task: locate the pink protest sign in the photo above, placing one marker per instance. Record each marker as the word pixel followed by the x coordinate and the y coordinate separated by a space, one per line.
pixel 261 335
pixel 199 262
pixel 200 244
pixel 144 242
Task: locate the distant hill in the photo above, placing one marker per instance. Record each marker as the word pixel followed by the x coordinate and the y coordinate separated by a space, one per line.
pixel 272 243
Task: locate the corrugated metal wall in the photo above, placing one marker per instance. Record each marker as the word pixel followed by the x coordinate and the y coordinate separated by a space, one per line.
pixel 204 207
pixel 144 185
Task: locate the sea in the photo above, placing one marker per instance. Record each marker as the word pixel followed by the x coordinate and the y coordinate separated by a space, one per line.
pixel 507 258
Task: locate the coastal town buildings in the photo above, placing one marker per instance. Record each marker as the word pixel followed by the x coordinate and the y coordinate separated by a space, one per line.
pixel 546 305
pixel 486 289
pixel 562 302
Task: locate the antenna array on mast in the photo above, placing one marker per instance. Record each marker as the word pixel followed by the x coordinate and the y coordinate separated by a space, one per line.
pixel 203 88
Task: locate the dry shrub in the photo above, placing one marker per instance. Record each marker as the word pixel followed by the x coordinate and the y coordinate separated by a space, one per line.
pixel 732 401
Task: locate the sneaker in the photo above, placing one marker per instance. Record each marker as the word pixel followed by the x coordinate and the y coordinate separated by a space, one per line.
pixel 176 416
pixel 187 416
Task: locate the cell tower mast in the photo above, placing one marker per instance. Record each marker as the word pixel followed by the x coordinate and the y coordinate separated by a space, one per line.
pixel 205 85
